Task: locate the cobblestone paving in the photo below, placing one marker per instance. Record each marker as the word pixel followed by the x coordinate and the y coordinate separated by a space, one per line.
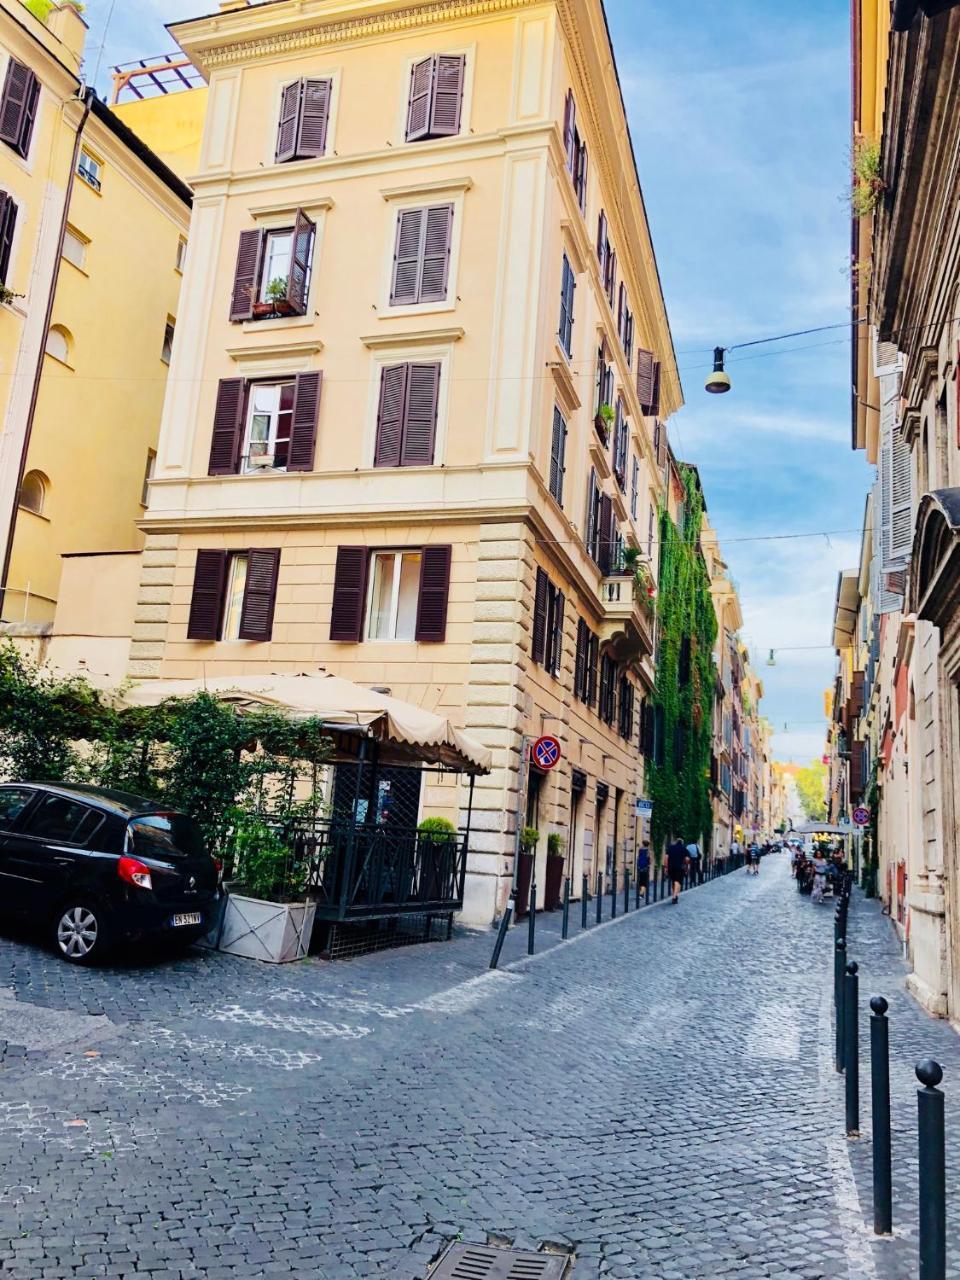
pixel 657 1095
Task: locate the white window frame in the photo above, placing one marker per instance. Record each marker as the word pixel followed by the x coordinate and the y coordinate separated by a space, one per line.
pixel 83 241
pixel 247 469
pixel 333 74
pixel 233 572
pixel 181 259
pixel 422 198
pixel 171 324
pixel 409 354
pixel 97 183
pixel 282 218
pixel 469 53
pixel 396 554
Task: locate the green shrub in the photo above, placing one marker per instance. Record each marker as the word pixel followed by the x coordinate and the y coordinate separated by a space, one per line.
pixel 555 843
pixel 437 830
pixel 529 839
pixel 264 864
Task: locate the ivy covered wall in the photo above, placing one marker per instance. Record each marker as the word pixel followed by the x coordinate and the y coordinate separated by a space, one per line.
pixel 678 777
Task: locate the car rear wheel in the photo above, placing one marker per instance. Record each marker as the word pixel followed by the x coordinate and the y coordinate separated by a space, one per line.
pixel 79 933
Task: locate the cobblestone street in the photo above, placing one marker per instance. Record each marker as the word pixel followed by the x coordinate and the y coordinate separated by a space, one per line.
pixel 658 1094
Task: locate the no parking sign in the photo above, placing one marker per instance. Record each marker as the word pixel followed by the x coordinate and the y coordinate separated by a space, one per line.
pixel 546 753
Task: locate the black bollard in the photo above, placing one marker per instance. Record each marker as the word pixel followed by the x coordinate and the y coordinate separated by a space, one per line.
pixel 851 1049
pixel 933 1175
pixel 880 1104
pixel 599 896
pixel 839 965
pixel 626 890
pixel 933 1178
pixel 566 907
pixel 532 922
pixel 613 895
pixel 584 902
pixel 636 893
pixel 502 933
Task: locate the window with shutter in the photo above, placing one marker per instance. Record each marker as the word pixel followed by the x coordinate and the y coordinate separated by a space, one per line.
pixel 592 521
pixel 621 440
pixel 227 428
pixel 8 222
pixel 651 520
pixel 628 337
pixel 288 123
pixel 554 629
pixel 627 697
pixel 593 660
pixel 538 641
pixel 434 593
pixel 567 288
pixel 610 275
pixel 436 97
pixel 580 661
pixel 421 261
pixel 569 130
pixel 580 174
pixel 606 536
pixel 558 448
pixel 608 689
pixel 206 601
pixel 349 590
pixel 305 416
pixel 634 487
pixel 259 594
pixel 407 415
pixel 645 368
pixel 603 243
pixel 18 107
pixel 304 115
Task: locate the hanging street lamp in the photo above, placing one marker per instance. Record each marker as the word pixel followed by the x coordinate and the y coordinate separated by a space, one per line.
pixel 719 381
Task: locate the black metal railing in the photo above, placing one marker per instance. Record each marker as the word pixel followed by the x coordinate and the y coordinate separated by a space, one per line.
pixel 364 872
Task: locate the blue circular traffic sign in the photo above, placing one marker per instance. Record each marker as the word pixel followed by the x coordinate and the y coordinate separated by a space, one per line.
pixel 546 753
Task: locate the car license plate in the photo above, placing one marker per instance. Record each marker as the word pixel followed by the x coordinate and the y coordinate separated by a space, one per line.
pixel 191 917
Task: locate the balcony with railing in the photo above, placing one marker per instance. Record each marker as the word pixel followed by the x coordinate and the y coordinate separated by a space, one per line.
pixel 629 609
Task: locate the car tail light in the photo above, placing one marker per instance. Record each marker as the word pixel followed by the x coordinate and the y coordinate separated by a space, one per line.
pixel 135 873
pixel 219 866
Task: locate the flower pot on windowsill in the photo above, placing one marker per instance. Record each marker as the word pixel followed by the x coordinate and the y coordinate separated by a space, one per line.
pixel 260 461
pixel 603 431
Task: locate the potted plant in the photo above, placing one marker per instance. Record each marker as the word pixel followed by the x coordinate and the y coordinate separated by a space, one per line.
pixel 555 865
pixel 529 839
pixel 604 421
pixel 644 588
pixel 266 914
pixel 277 303
pixel 438 847
pixel 868 185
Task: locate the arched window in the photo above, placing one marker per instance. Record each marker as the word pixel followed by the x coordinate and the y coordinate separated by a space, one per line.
pixel 33 492
pixel 59 342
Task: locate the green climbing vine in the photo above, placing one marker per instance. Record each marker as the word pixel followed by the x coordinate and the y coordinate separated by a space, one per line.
pixel 679 776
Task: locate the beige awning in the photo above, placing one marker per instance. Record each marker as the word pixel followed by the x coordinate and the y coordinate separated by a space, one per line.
pixel 415 733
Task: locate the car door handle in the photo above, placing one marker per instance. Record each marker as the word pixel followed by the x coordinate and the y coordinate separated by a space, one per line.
pixel 64 862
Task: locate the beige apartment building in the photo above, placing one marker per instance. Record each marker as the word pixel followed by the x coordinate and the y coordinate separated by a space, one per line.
pixel 416 405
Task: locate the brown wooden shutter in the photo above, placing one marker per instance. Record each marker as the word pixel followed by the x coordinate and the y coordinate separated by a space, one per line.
pixel 583 165
pixel 287 127
pixel 259 594
pixel 569 125
pixel 580 662
pixel 663 446
pixel 301 252
pixel 246 275
pixel 314 117
pixel 8 221
pixel 558 447
pixel 303 421
pixel 621 307
pixel 406 257
pixel 539 639
pixel 393 394
pixel 17 106
pixel 593 659
pixel 602 241
pixel 420 415
pixel 645 367
pixel 421 92
pixel 434 593
pixel 227 427
pixel 447 96
pixel 349 591
pixel 655 401
pixel 605 548
pixel 556 633
pixel 206 602
pixel 435 256
pixel 857 761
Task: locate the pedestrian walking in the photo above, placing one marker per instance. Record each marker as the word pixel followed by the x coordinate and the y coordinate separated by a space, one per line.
pixel 643 870
pixel 819 877
pixel 693 853
pixel 677 858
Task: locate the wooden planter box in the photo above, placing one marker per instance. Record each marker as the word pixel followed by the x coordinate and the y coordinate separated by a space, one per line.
pixel 524 878
pixel 277 932
pixel 553 890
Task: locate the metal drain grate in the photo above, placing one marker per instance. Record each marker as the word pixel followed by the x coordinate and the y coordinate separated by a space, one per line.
pixel 480 1262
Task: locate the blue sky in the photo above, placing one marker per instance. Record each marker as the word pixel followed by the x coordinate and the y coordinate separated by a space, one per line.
pixel 740 120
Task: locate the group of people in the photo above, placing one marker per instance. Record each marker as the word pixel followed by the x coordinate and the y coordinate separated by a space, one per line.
pixel 819 873
pixel 683 861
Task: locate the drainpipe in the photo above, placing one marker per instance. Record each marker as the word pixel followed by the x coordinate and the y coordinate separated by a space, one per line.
pixel 87 98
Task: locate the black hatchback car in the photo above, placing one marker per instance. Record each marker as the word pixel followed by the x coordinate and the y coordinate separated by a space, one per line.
pixel 93 867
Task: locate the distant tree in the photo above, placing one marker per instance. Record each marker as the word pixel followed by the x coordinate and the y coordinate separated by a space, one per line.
pixel 812 789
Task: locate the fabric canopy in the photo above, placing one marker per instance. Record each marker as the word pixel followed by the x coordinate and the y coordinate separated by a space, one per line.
pixel 417 734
